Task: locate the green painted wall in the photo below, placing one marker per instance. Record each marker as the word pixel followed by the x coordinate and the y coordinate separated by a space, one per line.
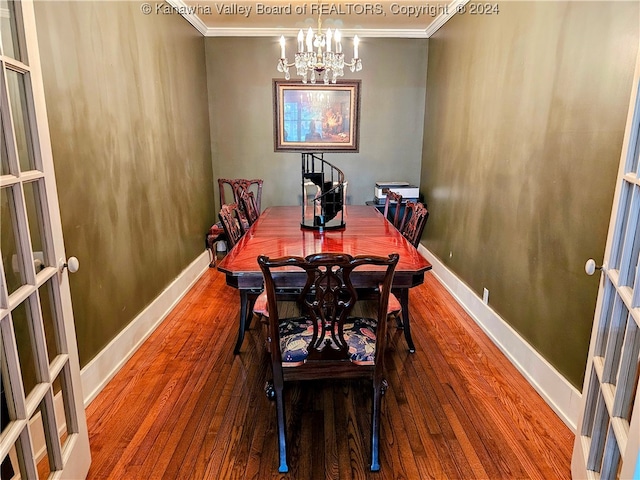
pixel 127 104
pixel 523 132
pixel 240 74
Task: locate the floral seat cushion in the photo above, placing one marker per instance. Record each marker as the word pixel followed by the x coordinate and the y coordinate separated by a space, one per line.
pixel 296 334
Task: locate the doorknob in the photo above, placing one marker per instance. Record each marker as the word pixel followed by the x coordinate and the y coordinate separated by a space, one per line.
pixel 590 267
pixel 73 264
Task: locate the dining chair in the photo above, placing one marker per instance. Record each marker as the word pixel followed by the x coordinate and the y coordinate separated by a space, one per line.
pixel 393 197
pixel 413 222
pixel 237 186
pixel 231 223
pixel 248 201
pixel 412 225
pixel 234 230
pixel 327 339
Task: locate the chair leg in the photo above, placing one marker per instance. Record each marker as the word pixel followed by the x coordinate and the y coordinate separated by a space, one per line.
pixel 378 391
pixel 264 326
pixel 212 256
pixel 282 442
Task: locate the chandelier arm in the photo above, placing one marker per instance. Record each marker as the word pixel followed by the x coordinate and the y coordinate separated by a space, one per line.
pixel 326 64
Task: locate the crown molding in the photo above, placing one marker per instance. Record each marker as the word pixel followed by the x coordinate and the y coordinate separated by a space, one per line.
pixel 292 32
pixel 453 8
pixel 189 15
pixel 192 18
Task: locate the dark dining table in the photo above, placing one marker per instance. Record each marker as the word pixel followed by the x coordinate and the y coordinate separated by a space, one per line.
pixel 278 233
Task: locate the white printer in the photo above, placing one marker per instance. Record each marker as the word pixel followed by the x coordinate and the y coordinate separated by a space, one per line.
pixel 408 192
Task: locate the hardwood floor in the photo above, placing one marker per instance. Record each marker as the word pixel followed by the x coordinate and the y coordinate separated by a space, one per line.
pixel 185 407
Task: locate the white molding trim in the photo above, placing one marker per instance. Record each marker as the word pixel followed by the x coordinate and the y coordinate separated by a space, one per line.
pixel 190 13
pixel 559 394
pixel 292 32
pixel 101 369
pixel 192 18
pixel 454 7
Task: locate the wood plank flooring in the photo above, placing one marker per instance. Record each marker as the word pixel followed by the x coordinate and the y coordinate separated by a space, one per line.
pixel 185 407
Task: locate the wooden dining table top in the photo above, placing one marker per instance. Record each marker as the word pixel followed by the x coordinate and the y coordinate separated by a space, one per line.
pixel 278 233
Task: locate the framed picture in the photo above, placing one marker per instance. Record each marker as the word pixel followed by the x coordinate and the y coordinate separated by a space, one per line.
pixel 316 118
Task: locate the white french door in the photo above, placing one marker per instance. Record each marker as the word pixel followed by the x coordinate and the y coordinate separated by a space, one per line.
pixel 44 431
pixel 608 433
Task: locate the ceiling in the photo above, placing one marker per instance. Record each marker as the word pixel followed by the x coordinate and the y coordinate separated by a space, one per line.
pixel 381 18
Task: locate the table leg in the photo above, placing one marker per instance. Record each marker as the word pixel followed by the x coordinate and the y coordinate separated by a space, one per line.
pixel 404 302
pixel 244 296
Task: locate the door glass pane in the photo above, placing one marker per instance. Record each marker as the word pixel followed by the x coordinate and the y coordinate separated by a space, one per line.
pixel 591 397
pixel 48 315
pixel 39 425
pixel 611 460
pixel 10 255
pixel 61 412
pixel 629 372
pixel 21 317
pixel 65 413
pixel 624 209
pixel 4 156
pixel 9 30
pixel 630 242
pixel 4 408
pixel 6 467
pixel 10 467
pixel 634 159
pixel 631 165
pixel 618 326
pixel 34 216
pixel 608 301
pixel 20 115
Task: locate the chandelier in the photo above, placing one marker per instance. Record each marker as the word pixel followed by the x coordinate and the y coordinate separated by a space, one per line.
pixel 320 57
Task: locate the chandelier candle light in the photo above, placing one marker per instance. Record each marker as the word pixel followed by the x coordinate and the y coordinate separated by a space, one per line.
pixel 327 63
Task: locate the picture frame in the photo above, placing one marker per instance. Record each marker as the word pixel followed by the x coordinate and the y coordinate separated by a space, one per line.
pixel 316 117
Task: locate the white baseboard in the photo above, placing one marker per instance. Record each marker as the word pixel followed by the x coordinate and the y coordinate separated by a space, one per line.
pixel 559 394
pixel 99 371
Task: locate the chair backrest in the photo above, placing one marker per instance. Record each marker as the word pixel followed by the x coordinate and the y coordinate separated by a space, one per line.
pixel 237 186
pixel 327 301
pixel 324 339
pixel 413 222
pixel 393 197
pixel 231 223
pixel 249 206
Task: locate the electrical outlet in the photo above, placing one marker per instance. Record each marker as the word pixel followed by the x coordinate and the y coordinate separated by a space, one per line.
pixel 485 296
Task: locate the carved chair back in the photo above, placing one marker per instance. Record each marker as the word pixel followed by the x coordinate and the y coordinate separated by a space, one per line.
pixel 231 223
pixel 327 340
pixel 413 222
pixel 248 201
pixel 237 186
pixel 393 197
